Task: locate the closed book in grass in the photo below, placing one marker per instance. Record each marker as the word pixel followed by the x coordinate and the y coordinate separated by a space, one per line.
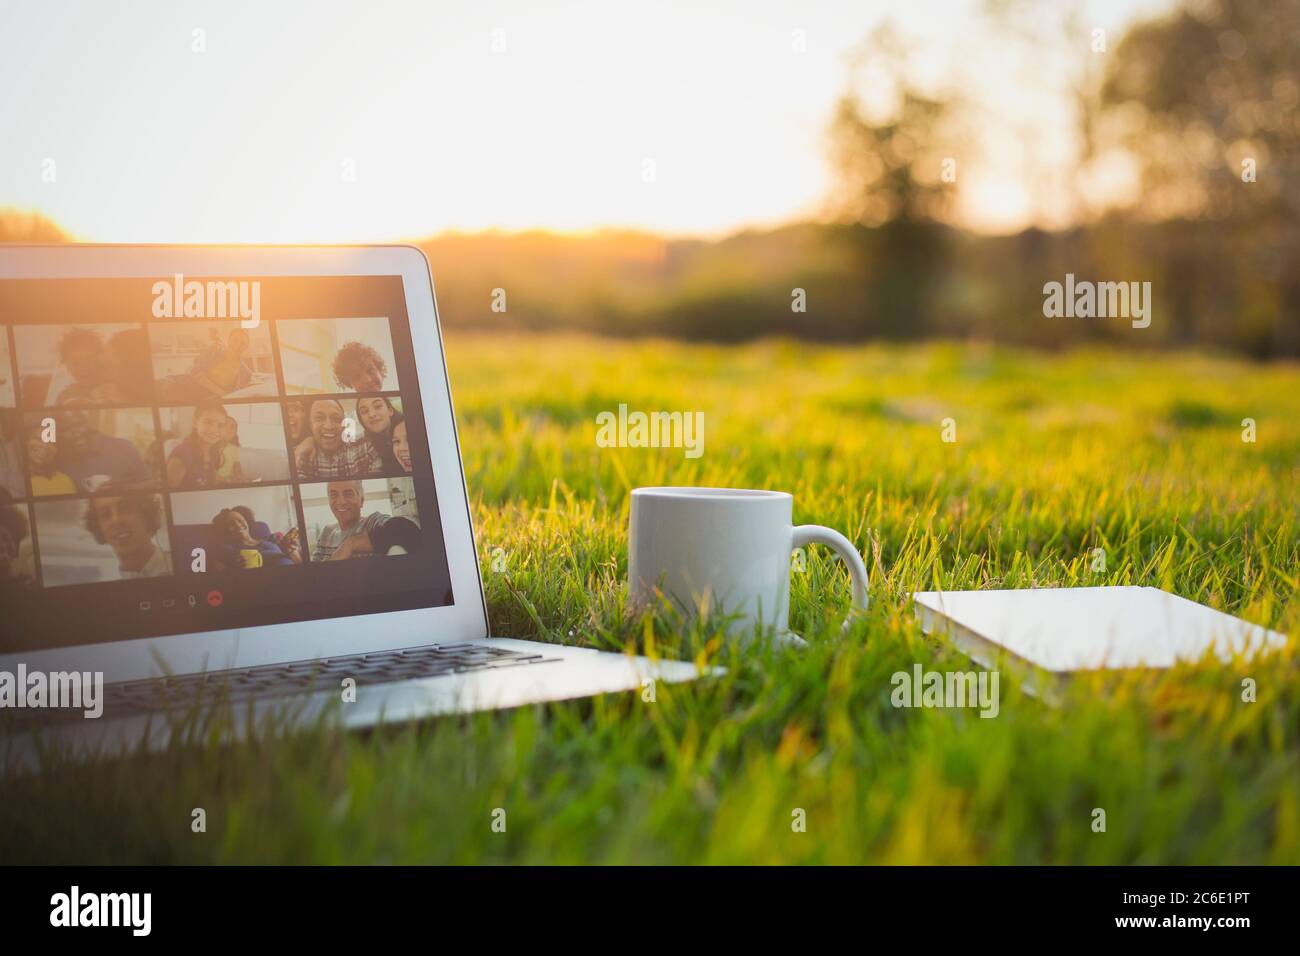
pixel 1063 631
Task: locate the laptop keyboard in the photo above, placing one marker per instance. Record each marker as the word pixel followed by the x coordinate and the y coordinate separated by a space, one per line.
pixel 301 677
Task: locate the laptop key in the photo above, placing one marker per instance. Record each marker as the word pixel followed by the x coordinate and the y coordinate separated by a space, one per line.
pixel 272 680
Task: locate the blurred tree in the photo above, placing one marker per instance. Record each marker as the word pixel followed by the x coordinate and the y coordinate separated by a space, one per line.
pixel 1216 89
pixel 18 226
pixel 886 145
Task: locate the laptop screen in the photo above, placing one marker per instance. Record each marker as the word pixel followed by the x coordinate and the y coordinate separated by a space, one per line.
pixel 195 453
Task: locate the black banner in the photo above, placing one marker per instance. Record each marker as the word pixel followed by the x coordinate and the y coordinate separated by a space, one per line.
pixel 336 905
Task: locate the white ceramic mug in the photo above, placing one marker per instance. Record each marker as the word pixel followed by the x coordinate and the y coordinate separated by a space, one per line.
pixel 725 550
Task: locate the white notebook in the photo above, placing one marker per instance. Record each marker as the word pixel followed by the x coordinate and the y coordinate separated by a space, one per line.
pixel 1079 629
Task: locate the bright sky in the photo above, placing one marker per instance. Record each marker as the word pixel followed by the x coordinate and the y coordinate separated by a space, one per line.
pixel 363 121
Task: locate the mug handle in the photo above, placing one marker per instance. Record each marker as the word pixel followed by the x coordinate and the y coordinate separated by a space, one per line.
pixel 843 547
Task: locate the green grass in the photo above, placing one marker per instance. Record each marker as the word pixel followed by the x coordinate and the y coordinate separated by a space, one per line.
pixel 1055 455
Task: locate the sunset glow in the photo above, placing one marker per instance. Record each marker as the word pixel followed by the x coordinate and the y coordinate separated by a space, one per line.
pixel 344 122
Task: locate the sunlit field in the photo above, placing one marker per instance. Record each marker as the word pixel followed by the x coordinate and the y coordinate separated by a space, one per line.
pixel 1054 456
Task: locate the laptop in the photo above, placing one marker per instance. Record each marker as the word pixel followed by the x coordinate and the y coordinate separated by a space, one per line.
pixel 232 474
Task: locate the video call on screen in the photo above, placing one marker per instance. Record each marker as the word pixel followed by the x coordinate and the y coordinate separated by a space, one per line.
pixel 190 453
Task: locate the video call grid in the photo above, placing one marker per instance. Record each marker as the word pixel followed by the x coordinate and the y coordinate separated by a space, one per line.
pixel 23 414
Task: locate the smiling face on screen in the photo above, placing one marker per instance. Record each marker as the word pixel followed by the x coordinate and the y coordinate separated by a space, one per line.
pixel 375 414
pixel 124 528
pixel 345 501
pixel 326 421
pixel 401 447
pixel 209 425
